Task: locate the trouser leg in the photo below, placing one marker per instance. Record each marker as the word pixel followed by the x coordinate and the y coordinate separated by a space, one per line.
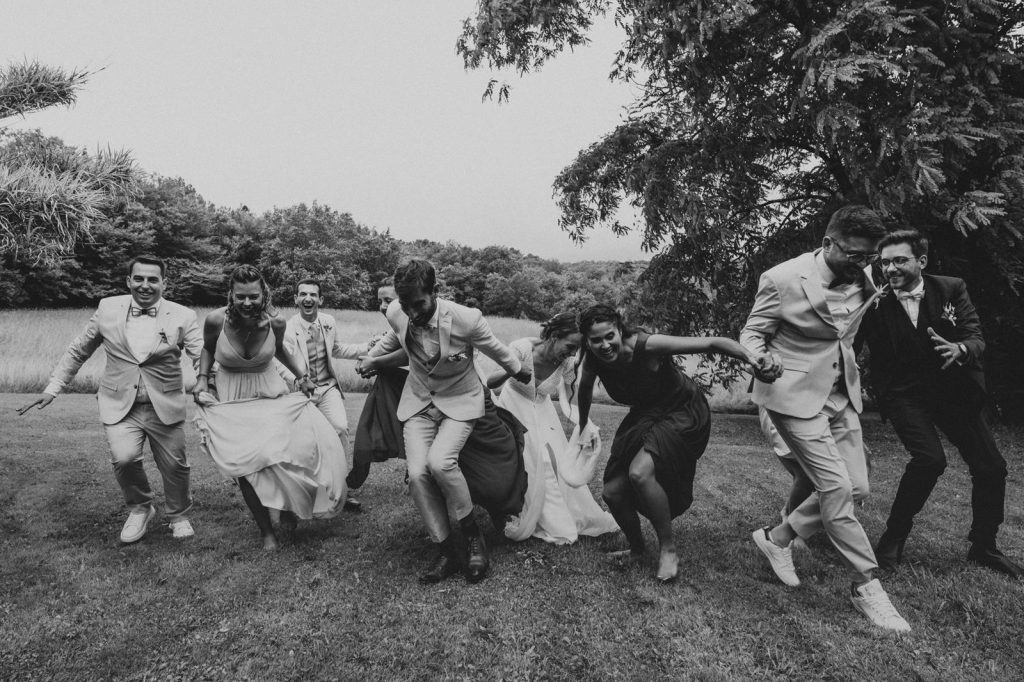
pixel 125 439
pixel 830 450
pixel 168 444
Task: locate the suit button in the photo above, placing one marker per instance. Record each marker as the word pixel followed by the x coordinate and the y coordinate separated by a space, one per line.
pixel 135 386
pixel 433 393
pixel 835 365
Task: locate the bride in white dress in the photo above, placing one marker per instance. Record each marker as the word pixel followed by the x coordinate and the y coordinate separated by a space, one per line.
pixel 559 506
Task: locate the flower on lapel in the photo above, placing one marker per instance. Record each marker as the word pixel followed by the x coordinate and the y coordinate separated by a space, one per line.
pixel 163 337
pixel 326 327
pixel 949 313
pixel 375 339
pixel 457 357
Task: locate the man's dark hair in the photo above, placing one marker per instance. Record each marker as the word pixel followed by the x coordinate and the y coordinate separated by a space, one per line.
pixel 147 260
pixel 855 220
pixel 415 275
pixel 917 241
pixel 312 282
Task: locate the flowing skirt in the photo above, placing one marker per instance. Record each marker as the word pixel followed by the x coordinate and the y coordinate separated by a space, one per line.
pixel 553 510
pixel 283 446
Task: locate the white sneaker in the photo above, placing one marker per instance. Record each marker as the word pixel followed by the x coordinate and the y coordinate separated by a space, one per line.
pixel 780 558
pixel 135 527
pixel 871 600
pixel 181 529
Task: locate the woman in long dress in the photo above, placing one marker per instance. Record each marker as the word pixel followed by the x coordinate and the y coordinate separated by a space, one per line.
pixel 280 449
pixel 553 510
pixel 654 454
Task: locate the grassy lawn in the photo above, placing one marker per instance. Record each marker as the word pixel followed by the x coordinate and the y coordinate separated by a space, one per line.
pixel 341 601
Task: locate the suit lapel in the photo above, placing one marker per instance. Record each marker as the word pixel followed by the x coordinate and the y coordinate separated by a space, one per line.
pixel 163 319
pixel 931 305
pixel 816 295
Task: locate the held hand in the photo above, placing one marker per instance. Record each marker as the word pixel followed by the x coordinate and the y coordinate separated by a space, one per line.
pixel 949 350
pixel 366 367
pixel 524 376
pixel 307 387
pixel 40 402
pixel 767 367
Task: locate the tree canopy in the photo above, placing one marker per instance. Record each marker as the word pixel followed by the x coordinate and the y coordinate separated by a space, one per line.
pixel 758 119
pixel 51 194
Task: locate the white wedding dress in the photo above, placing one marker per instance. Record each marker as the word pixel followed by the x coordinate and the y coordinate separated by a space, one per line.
pixel 553 511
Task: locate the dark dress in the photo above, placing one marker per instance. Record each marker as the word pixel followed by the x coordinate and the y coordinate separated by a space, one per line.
pixel 669 417
pixel 491 460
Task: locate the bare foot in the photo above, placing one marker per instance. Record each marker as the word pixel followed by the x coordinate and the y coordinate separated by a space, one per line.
pixel 668 567
pixel 270 543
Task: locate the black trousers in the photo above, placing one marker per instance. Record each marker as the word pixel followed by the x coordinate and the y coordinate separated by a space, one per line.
pixel 916 418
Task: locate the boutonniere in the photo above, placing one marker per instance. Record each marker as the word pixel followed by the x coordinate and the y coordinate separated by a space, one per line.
pixel 949 313
pixel 326 327
pixel 375 339
pixel 163 337
pixel 457 357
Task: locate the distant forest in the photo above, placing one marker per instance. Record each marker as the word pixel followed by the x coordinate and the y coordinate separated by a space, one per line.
pixel 203 242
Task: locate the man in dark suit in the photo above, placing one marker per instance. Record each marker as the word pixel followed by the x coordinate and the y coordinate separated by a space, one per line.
pixel 926 349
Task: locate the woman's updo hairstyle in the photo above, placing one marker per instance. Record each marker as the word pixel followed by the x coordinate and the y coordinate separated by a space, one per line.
pixel 559 326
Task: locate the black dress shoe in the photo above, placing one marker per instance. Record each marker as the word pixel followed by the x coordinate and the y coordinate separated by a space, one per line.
pixel 990 557
pixel 478 561
pixel 889 552
pixel 352 505
pixel 444 567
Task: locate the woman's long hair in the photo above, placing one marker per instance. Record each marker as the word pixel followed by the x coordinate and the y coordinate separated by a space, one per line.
pixel 247 274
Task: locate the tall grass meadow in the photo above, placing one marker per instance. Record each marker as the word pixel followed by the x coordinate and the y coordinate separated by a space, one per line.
pixel 34 340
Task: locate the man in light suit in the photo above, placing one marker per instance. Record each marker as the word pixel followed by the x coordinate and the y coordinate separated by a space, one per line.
pixel 926 351
pixel 142 391
pixel 442 398
pixel 311 338
pixel 807 312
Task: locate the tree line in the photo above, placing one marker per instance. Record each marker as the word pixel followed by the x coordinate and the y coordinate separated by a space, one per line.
pixel 202 242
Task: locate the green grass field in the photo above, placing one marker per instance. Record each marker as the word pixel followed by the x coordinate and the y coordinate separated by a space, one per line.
pixel 341 601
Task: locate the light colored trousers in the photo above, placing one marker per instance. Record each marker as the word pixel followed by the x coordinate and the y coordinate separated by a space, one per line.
pixel 830 449
pixel 330 403
pixel 432 446
pixel 167 441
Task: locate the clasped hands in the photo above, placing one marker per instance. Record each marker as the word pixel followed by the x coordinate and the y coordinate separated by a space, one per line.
pixel 767 366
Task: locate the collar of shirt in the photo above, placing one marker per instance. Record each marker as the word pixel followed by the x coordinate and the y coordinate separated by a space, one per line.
pixel 305 326
pixel 919 289
pixel 155 306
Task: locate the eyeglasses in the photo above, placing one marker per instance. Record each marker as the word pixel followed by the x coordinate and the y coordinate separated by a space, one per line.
pixel 898 261
pixel 856 257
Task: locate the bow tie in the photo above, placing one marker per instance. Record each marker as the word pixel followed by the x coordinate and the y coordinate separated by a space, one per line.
pixel 135 311
pixel 910 295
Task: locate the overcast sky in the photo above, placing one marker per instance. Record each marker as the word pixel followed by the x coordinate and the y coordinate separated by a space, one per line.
pixel 359 105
